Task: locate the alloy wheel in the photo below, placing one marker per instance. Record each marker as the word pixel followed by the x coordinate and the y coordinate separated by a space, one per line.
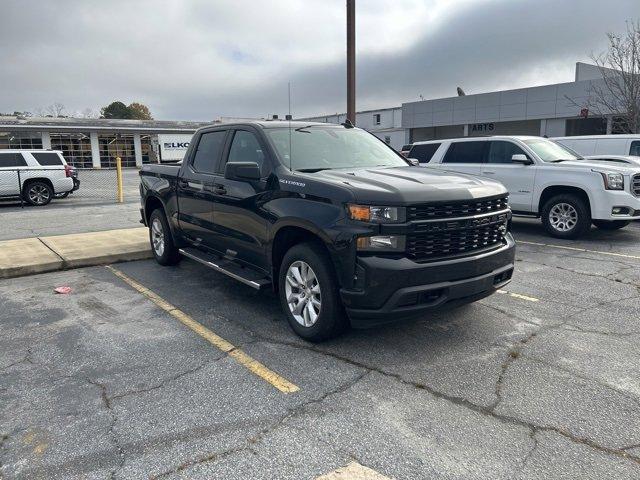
pixel 157 237
pixel 39 194
pixel 563 217
pixel 303 293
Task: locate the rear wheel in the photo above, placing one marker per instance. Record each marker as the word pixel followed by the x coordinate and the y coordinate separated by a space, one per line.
pixel 38 193
pixel 566 216
pixel 309 296
pixel 162 246
pixel 611 224
pixel 62 195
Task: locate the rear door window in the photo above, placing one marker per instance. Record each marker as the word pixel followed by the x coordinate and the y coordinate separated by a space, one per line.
pixel 501 152
pixel 47 159
pixel 208 151
pixel 465 152
pixel 635 148
pixel 424 153
pixel 12 160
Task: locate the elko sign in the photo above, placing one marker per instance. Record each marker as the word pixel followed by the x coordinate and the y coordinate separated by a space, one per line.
pixel 173 147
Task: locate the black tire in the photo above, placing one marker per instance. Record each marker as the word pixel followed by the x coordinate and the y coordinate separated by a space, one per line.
pixel 168 254
pixel 37 193
pixel 582 221
pixel 611 224
pixel 62 195
pixel 331 319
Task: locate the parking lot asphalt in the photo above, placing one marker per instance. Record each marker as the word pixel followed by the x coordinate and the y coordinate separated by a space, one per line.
pixel 538 381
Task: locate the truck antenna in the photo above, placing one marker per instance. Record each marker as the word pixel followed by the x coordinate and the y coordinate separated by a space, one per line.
pixel 289 118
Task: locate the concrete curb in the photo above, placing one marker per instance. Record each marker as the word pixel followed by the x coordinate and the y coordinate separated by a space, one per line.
pixel 46 254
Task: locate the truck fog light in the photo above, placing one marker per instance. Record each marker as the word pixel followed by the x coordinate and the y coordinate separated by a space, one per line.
pixel 388 243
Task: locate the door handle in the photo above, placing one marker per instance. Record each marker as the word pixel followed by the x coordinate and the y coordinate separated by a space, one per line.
pixel 219 190
pixel 489 172
pixel 183 183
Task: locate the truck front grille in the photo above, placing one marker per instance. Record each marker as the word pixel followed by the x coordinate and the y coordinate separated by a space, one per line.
pixel 430 241
pixel 457 209
pixel 635 185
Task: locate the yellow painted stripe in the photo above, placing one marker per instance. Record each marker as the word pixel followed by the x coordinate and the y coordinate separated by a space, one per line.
pixel 576 249
pixel 519 295
pixel 217 341
pixel 353 471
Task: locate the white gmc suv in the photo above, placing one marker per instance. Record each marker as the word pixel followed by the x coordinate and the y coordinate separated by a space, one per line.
pixel 35 175
pixel 544 180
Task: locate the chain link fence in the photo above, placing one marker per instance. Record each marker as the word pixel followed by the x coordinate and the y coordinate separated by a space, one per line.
pixel 28 185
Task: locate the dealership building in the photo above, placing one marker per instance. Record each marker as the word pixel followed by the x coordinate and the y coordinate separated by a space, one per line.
pixel 553 110
pixel 96 143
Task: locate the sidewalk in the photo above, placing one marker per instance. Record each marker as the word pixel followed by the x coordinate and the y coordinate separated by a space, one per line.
pixel 45 254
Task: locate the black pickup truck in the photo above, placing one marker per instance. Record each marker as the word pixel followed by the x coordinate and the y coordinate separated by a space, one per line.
pixel 346 230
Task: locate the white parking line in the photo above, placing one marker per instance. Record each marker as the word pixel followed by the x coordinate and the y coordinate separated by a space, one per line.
pixel 576 249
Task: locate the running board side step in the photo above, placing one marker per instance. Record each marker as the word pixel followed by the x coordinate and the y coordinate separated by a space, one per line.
pixel 245 275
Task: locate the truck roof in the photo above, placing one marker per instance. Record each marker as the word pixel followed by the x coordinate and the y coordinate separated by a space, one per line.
pixel 273 124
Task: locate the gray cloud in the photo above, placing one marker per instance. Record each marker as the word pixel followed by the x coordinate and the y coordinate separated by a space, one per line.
pixel 199 60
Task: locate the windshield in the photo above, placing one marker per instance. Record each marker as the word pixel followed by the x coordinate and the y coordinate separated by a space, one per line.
pixel 550 151
pixel 317 147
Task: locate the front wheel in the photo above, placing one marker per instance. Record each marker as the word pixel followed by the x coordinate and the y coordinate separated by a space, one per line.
pixel 309 296
pixel 611 224
pixel 162 246
pixel 566 216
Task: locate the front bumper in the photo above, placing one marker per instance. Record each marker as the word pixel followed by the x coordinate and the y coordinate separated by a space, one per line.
pixel 395 289
pixel 605 201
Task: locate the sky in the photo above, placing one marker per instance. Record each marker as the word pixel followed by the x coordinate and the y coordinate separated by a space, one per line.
pixel 204 59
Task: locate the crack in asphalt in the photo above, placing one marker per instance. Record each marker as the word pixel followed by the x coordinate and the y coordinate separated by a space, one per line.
pixel 111 430
pixel 465 403
pixel 248 444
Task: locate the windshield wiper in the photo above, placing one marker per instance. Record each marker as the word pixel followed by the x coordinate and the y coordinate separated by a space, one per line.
pixel 302 129
pixel 312 170
pixel 558 160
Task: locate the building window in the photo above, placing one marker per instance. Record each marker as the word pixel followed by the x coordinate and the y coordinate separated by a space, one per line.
pixel 149 155
pixel 586 126
pixel 376 119
pixel 116 145
pixel 17 140
pixel 75 147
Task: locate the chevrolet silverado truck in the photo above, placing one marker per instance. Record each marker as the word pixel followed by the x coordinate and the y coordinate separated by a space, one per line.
pixel 342 227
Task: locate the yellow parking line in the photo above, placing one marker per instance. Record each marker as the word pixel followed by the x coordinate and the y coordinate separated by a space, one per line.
pixel 624 255
pixel 519 295
pixel 217 341
pixel 353 471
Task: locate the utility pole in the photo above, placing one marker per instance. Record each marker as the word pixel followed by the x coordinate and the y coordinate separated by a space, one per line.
pixel 351 61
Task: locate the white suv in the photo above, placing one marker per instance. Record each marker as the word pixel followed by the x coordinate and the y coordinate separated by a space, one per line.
pixel 36 175
pixel 544 179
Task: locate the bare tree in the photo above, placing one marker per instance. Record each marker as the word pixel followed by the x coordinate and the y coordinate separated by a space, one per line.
pixel 55 110
pixel 618 93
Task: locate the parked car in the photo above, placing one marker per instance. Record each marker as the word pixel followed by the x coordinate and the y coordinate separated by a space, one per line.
pixel 545 180
pixel 332 219
pixel 36 175
pixel 602 144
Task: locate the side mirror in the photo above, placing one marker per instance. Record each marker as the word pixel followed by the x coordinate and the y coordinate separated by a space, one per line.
pixel 520 158
pixel 242 171
pixel 413 161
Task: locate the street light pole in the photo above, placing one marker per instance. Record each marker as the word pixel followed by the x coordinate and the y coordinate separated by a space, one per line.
pixel 351 61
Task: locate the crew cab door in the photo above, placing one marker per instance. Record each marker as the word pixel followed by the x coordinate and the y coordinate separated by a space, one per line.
pixel 517 177
pixel 240 224
pixel 195 187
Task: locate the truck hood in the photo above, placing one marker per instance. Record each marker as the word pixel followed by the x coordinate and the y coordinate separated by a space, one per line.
pixel 408 185
pixel 601 166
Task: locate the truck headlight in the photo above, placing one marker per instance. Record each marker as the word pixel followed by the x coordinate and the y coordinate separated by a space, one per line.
pixel 368 213
pixel 382 243
pixel 613 181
